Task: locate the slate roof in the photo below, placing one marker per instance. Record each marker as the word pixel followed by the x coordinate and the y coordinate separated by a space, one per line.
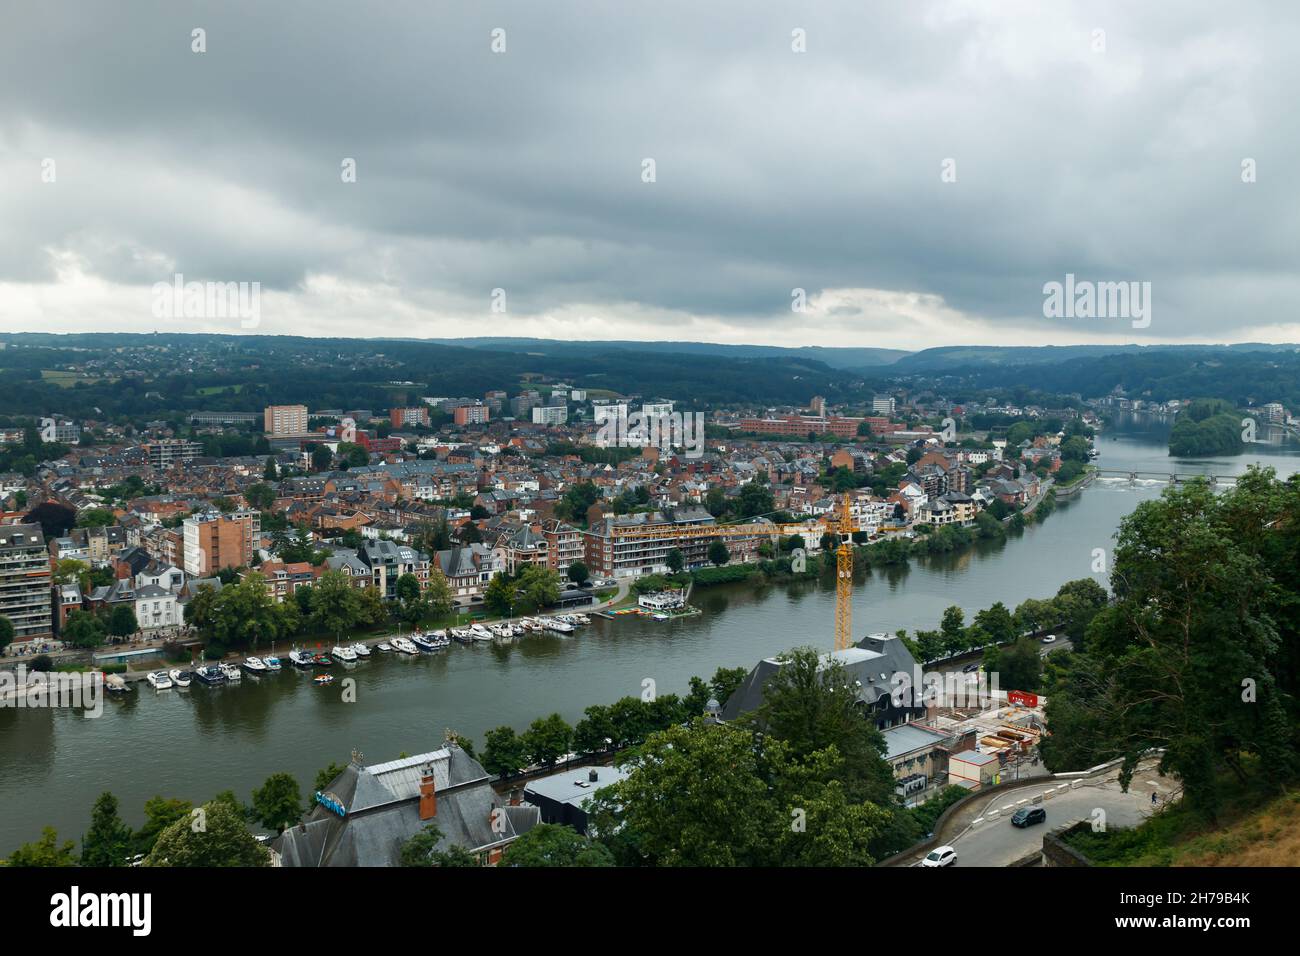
pixel 872 661
pixel 382 811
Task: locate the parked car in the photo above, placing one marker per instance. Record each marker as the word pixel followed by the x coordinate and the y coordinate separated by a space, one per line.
pixel 941 856
pixel 1028 816
pixel 1050 639
pixel 971 668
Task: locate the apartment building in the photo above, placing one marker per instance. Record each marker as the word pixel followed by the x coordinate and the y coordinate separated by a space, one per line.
pixel 405 417
pixel 550 415
pixel 26 596
pixel 566 545
pixel 164 454
pixel 215 541
pixel 279 420
pixel 475 414
pixel 388 561
pixel 801 426
pixel 613 550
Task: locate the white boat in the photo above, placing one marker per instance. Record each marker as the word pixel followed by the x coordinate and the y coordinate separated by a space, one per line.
pixel 345 654
pixel 462 634
pixel 300 658
pixel 503 631
pixel 422 642
pixel 384 646
pixel 254 665
pixel 404 646
pixel 582 619
pixel 159 680
pixel 525 624
pixel 230 672
pixel 439 639
pixel 272 663
pixel 558 626
pixel 361 649
pixel 180 678
pixel 479 632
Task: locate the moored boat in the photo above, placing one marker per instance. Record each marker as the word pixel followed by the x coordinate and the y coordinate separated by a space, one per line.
pixel 321 680
pixel 343 653
pixel 322 660
pixel 230 671
pixel 558 626
pixel 404 646
pixel 159 680
pixel 422 642
pixel 462 634
pixel 180 678
pixel 272 663
pixel 210 674
pixel 254 665
pixel 479 632
pixel 361 649
pixel 384 646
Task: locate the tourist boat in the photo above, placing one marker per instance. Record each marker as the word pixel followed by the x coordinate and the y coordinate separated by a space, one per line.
pixel 321 680
pixel 210 674
pixel 404 646
pixel 322 660
pixel 479 632
pixel 301 658
pixel 558 626
pixel 345 654
pixel 180 678
pixel 159 680
pixel 361 649
pixel 384 646
pixel 272 663
pixel 231 672
pixel 254 665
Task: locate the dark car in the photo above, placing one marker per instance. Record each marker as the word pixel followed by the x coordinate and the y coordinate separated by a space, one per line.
pixel 971 668
pixel 1028 816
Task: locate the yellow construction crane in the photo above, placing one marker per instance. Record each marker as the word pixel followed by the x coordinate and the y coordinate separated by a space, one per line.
pixel 839 523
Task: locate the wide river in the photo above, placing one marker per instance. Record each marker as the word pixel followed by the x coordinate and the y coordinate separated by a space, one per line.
pixel 193 743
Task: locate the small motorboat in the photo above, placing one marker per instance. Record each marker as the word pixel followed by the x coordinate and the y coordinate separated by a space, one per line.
pixel 254 666
pixel 558 626
pixel 343 653
pixel 231 672
pixel 361 649
pixel 462 634
pixel 439 639
pixel 210 674
pixel 180 678
pixel 582 619
pixel 422 642
pixel 403 646
pixel 159 680
pixel 384 646
pixel 272 663
pixel 301 658
pixel 479 632
pixel 322 660
pixel 320 680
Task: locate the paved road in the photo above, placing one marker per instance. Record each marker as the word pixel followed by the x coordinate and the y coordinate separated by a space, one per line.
pixel 995 842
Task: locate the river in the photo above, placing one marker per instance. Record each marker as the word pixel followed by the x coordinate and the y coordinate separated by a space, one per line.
pixel 193 743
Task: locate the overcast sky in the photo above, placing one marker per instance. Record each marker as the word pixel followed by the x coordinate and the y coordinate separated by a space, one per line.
pixel 1103 140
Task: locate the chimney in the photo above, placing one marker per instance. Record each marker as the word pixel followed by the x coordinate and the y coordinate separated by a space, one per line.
pixel 428 794
pixel 591 775
pixel 514 797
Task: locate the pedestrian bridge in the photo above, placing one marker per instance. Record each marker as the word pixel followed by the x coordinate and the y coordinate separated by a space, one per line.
pixel 1172 478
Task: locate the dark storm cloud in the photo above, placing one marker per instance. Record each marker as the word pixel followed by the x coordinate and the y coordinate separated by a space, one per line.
pixel 775 169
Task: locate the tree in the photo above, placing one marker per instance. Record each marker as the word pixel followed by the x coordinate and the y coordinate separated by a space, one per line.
pixel 321 458
pixel 422 850
pixel 675 560
pixel 811 703
pixel 718 553
pixel 277 804
pixel 122 621
pixel 1019 667
pixel 96 518
pixel 159 814
pixel 438 596
pixel 6 632
pixel 335 603
pixel 326 775
pixel 547 739
pixel 47 851
pixel 578 573
pixel 997 623
pixel 260 496
pixel 215 837
pixel 504 753
pixel 83 629
pixel 270 472
pixel 549 844
pixel 108 841
pixel 953 629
